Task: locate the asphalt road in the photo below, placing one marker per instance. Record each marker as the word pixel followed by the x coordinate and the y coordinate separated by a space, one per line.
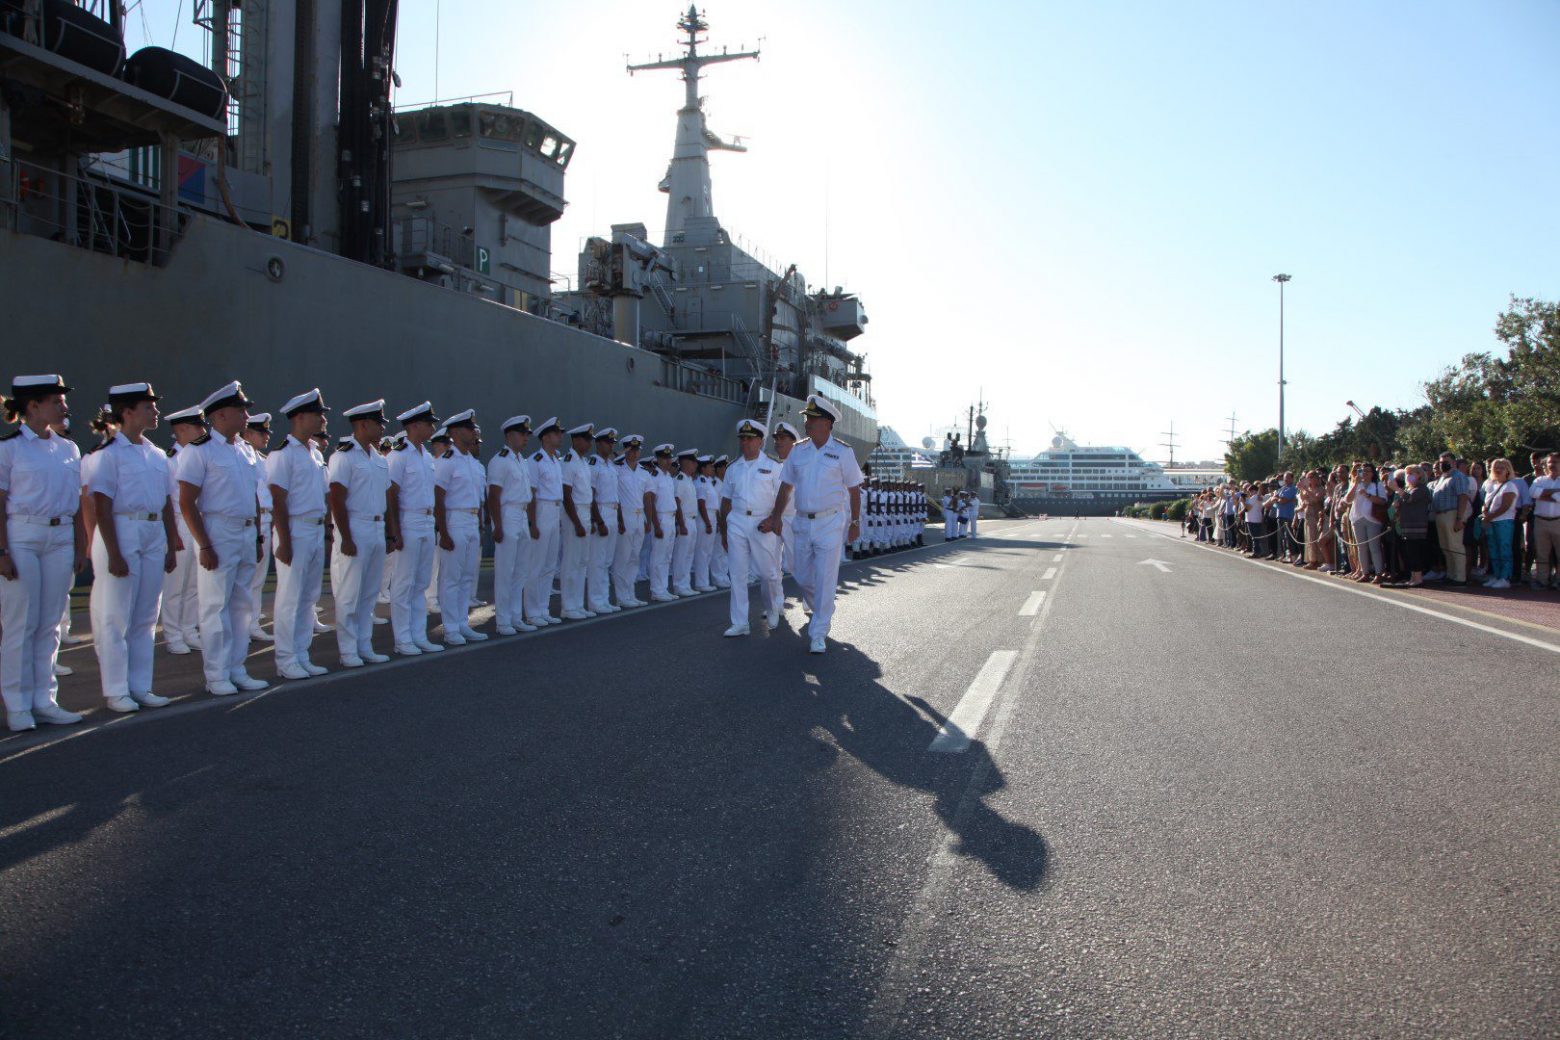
pixel 1196 798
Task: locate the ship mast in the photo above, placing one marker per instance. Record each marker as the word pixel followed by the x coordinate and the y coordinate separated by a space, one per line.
pixel 687 182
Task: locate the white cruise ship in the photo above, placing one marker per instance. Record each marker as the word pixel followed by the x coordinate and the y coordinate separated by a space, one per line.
pixel 1087 480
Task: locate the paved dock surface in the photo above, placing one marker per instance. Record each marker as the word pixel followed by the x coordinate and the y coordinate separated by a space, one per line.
pixel 1071 779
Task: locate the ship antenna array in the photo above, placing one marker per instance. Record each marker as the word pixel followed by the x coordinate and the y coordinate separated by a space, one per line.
pixel 1169 442
pixel 1231 438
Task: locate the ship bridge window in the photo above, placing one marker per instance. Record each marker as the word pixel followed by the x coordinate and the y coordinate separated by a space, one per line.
pixel 533 135
pixel 406 128
pixel 432 126
pixel 460 122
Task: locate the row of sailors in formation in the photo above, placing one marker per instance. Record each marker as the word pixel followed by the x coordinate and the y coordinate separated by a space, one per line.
pixel 188 533
pixel 894 517
pixel 961 514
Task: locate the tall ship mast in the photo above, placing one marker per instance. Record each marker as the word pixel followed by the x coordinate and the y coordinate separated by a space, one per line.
pixel 270 214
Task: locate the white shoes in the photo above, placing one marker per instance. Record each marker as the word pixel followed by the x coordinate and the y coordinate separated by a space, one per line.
pixel 321 627
pixel 221 688
pixel 62 670
pixel 292 671
pixel 704 588
pixel 576 615
pixel 18 721
pixel 55 714
pixel 737 630
pixel 428 646
pixel 245 681
pixel 314 669
pixel 506 630
pixel 373 658
pixel 659 597
pixel 454 639
pixel 261 634
pixel 817 646
pixel 149 700
pixel 351 662
pixel 408 649
pixel 381 621
pixel 473 636
pixel 181 648
pixel 123 705
pixel 772 618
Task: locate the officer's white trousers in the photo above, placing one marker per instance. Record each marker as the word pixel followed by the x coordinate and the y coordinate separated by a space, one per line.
pixel 817 545
pixel 625 561
pixel 750 549
pixel 30 609
pixel 356 587
pixel 262 568
pixel 180 595
pixel 974 520
pixel 720 564
pixel 544 560
pixel 224 596
pixel 574 559
pixel 124 610
pixel 413 574
pixel 458 570
pixel 704 543
pixel 511 567
pixel 682 560
pixel 603 551
pixel 661 554
pixel 298 590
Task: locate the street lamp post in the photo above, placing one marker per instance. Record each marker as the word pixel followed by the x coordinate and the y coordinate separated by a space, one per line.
pixel 1281 279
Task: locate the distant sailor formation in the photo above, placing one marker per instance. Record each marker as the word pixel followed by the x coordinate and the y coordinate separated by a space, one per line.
pixel 189 535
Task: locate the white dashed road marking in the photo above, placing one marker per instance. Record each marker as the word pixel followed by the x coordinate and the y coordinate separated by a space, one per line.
pixel 956 733
pixel 1031 605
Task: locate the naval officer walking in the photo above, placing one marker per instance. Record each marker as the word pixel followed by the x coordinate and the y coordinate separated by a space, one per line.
pixel 512 510
pixel 410 507
pixel 296 475
pixel 359 485
pixel 217 496
pixel 748 498
pixel 822 475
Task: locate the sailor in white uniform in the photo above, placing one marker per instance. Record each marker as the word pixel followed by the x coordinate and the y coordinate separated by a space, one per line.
pixel 218 499
pixel 132 549
pixel 719 565
pixel 687 493
pixel 704 538
pixel 460 485
pixel 546 473
pixel 606 524
pixel 439 445
pixel 575 527
pixel 412 536
pixel 180 608
pixel 665 520
pixel 785 439
pixel 747 499
pixel 972 510
pixel 950 518
pixel 257 434
pixel 42 549
pixel 637 508
pixel 822 477
pixel 296 477
pixel 512 510
pixel 359 486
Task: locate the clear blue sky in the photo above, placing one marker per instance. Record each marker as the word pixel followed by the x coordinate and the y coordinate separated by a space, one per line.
pixel 1078 207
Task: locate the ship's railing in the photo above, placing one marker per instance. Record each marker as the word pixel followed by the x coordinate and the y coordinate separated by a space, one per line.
pixel 693 380
pixel 97 213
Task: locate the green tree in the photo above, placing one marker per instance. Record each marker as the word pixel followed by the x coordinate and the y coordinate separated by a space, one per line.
pixel 1252 456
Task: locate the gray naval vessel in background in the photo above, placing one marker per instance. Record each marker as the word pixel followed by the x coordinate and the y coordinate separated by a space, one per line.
pixel 270 216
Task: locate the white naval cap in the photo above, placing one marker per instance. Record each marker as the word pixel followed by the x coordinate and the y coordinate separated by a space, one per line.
pixel 583 430
pixel 705 460
pixel 819 407
pixel 664 449
pixel 418 413
pixel 633 440
pixel 785 427
pixel 131 393
pixel 367 410
pixel 259 419
pixel 441 434
pixel 344 441
pixel 39 386
pixel 548 424
pixel 719 459
pixel 607 433
pixel 185 415
pixel 467 419
pixel 687 453
pixel 751 428
pixel 310 401
pixel 230 396
pixel 521 422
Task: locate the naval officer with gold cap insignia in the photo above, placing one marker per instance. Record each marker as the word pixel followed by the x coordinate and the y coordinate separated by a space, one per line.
pixel 576 526
pixel 751 539
pixel 512 508
pixel 359 484
pixel 547 486
pixel 459 487
pixel 299 485
pixel 410 506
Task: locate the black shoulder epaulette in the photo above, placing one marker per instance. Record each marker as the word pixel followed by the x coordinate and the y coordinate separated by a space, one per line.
pixel 503 453
pixel 169 452
pixel 681 477
pixel 12 435
pixel 568 456
pixel 538 456
pixel 99 446
pixel 593 459
pixel 620 462
pixel 345 447
pixel 402 446
pixel 202 439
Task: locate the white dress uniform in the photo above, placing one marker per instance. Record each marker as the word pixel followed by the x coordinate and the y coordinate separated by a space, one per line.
pixel 180 610
pixel 633 482
pixel 751 487
pixel 412 471
pixel 464 482
pixel 820 479
pixel 263 566
pixel 949 520
pixel 972 510
pixel 575 555
pixel 512 562
pixel 664 488
pixel 223 474
pixel 124 610
pixel 547 485
pixel 687 492
pixel 719 565
pixel 603 547
pixel 297 468
pixel 704 541
pixel 41 477
pixel 365 476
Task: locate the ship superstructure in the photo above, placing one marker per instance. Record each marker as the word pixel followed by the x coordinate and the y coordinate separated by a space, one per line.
pixel 1086 479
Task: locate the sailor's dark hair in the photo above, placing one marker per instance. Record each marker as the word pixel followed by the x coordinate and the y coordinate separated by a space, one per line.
pixel 11 408
pixel 109 415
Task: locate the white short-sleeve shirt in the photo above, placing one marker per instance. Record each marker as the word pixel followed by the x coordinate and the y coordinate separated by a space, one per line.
pixel 412 471
pixel 366 477
pixel 41 476
pixel 223 473
pixel 508 472
pixel 752 486
pixel 298 468
pixel 134 475
pixel 821 478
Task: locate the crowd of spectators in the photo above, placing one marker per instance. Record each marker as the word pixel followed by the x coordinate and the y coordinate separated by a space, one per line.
pixel 1452 521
